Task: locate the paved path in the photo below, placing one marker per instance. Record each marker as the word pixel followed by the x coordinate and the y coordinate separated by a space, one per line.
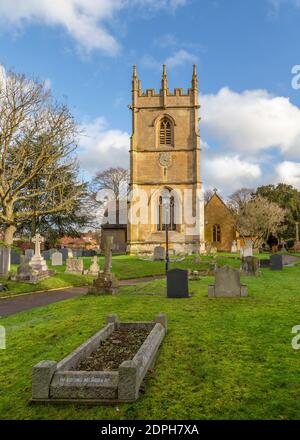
pixel 19 303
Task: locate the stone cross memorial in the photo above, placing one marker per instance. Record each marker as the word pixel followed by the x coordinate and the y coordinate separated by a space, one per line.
pixel 37 262
pixel 106 283
pixel 178 283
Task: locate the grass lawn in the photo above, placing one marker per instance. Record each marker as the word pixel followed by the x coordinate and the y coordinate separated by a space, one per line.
pixel 124 267
pixel 221 359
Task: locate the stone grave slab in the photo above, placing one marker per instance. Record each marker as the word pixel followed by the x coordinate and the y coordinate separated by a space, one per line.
pixel 63 382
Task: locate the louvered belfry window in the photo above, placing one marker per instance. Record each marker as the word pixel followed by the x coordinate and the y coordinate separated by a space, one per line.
pixel 165 134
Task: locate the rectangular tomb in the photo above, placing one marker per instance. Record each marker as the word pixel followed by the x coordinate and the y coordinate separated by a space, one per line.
pixel 77 378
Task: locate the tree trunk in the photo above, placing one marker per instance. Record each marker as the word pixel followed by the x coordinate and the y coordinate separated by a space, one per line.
pixel 9 235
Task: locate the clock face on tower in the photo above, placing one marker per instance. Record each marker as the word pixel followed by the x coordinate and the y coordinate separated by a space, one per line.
pixel 164 159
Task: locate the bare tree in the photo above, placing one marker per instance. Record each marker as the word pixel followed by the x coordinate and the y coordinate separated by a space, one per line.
pixel 240 198
pixel 37 143
pixel 114 179
pixel 259 218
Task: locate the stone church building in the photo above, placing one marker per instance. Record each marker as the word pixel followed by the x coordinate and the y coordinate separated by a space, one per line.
pixel 165 156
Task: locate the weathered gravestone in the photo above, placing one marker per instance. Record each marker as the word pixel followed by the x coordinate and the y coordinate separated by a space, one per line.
pixel 46 255
pixel 4 260
pixel 276 262
pixel 264 263
pixel 52 251
pixel 106 282
pixel 57 259
pixel 65 253
pixel 227 284
pixel 15 257
pixel 159 253
pixel 214 251
pixel 94 268
pixel 234 248
pixel 74 266
pixel 29 253
pixel 250 266
pixel 178 283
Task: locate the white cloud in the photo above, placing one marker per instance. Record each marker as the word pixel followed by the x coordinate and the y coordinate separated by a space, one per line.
pixel 276 4
pixel 229 172
pixel 289 172
pixel 252 121
pixel 85 20
pixel 102 147
pixel 179 58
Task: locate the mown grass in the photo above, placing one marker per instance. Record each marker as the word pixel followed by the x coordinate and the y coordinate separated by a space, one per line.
pixel 124 267
pixel 221 359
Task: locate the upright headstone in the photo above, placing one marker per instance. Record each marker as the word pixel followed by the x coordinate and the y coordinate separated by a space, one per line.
pixel 29 253
pixel 37 262
pixel 74 266
pixel 64 252
pixel 276 262
pixel 94 268
pixel 265 263
pixel 250 266
pixel 227 284
pixel 234 248
pixel 248 249
pixel 178 283
pixel 57 259
pixel 46 255
pixel 15 257
pixel 52 251
pixel 4 260
pixel 106 282
pixel 214 251
pixel 159 253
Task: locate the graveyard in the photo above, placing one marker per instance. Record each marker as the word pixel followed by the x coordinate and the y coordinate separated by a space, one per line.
pixel 149 214
pixel 224 358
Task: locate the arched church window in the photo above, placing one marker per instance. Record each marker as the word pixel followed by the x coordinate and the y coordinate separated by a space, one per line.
pixel 165 132
pixel 216 233
pixel 166 215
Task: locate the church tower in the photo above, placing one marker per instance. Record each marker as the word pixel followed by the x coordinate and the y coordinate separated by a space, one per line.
pixel 165 156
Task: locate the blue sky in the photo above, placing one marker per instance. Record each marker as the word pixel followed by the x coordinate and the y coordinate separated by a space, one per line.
pixel 244 49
